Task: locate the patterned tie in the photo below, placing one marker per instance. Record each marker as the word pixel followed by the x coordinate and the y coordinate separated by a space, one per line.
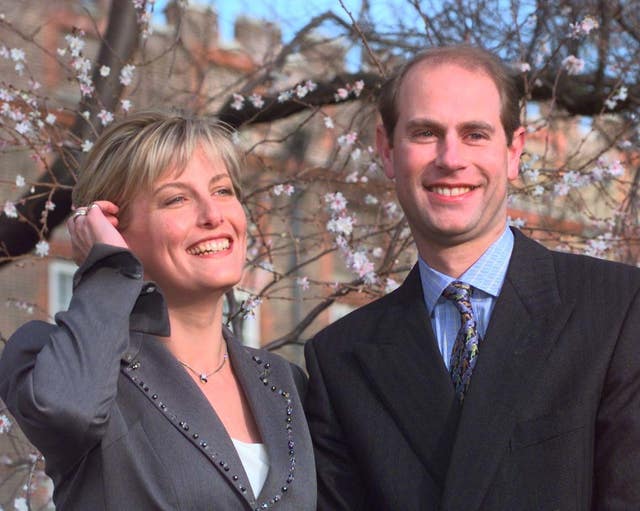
pixel 465 349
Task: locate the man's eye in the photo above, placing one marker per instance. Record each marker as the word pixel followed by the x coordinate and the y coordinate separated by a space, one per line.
pixel 426 133
pixel 477 136
pixel 224 191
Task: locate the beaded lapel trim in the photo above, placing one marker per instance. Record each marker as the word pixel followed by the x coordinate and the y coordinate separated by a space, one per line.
pixel 203 445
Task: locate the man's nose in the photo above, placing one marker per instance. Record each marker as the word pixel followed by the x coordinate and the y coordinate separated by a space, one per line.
pixel 450 153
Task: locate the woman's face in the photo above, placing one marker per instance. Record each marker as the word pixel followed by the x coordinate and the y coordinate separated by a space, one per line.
pixel 189 230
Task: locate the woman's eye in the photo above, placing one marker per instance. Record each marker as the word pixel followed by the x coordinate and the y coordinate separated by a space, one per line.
pixel 178 199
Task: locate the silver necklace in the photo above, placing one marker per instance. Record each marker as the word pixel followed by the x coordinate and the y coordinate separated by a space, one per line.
pixel 204 377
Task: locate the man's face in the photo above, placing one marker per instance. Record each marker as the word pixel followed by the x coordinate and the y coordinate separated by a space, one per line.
pixel 449 157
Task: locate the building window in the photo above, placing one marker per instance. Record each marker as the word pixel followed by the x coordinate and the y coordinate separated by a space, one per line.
pixel 60 285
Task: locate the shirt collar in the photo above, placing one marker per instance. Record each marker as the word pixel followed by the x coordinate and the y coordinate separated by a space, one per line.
pixel 486 274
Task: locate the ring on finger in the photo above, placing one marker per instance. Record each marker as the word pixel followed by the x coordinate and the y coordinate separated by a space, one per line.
pixel 79 212
pixel 94 205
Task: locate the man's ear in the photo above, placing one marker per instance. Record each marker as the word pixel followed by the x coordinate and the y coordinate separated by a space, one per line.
pixel 514 153
pixel 385 150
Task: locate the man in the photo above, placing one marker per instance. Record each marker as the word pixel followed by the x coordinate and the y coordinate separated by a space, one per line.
pixel 526 398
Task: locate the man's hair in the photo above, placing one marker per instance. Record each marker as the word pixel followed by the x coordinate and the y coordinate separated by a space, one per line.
pixel 134 153
pixel 467 57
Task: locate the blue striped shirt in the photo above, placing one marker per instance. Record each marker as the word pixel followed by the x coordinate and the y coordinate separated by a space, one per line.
pixel 486 276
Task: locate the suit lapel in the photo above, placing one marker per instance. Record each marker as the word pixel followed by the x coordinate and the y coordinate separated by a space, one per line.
pixel 178 400
pixel 524 326
pixel 406 370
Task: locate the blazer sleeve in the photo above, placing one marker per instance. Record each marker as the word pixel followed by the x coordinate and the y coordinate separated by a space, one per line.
pixel 340 486
pixel 59 381
pixel 617 449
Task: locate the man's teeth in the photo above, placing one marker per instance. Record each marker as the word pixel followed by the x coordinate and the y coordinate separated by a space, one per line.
pixel 445 190
pixel 210 247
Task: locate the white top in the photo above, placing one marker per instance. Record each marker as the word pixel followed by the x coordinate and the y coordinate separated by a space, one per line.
pixel 255 462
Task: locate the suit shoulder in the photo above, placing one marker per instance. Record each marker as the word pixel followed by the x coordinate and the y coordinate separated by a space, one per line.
pixel 596 279
pixel 358 324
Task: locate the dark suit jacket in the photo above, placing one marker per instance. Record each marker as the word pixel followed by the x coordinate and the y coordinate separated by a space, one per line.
pixel 123 426
pixel 551 420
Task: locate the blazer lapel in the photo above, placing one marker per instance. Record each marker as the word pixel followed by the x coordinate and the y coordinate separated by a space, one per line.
pixel 524 326
pixel 406 370
pixel 177 398
pixel 271 403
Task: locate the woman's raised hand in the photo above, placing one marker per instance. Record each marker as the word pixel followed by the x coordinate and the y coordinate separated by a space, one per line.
pixel 96 223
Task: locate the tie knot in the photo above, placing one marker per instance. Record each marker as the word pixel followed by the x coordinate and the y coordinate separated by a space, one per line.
pixel 457 291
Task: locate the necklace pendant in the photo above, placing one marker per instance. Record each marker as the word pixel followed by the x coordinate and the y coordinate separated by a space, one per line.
pixel 203 378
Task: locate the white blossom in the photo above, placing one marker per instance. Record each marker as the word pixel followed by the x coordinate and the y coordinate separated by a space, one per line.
pixel 390 285
pixel 5 95
pixel 341 225
pixel 49 206
pixel 370 200
pixel 583 27
pixel 303 283
pixel 256 100
pixel 328 122
pixel 105 117
pixel 126 74
pixel 391 208
pixel 42 248
pixel 20 182
pixel 126 104
pixel 356 153
pixel 17 54
pixel 5 424
pixel 105 71
pixel 238 102
pixel 24 127
pixel 341 94
pixel 573 64
pixel 537 191
pixel 310 85
pixel 336 202
pixel 348 139
pixel 516 222
pixel 235 137
pixel 352 177
pixel 75 43
pixel 86 146
pixel 377 252
pixel 301 91
pixel 285 96
pixel 286 189
pixel 20 504
pixel 51 119
pixel 250 305
pixel 357 88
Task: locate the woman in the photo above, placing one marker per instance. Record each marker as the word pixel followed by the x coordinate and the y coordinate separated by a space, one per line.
pixel 137 397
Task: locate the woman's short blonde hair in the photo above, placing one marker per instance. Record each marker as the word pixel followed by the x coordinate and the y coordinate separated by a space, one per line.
pixel 134 153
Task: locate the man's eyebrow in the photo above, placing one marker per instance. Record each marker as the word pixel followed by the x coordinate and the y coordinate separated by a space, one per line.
pixel 477 125
pixel 423 122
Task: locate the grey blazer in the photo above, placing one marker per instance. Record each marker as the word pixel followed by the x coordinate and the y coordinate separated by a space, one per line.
pixel 123 426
